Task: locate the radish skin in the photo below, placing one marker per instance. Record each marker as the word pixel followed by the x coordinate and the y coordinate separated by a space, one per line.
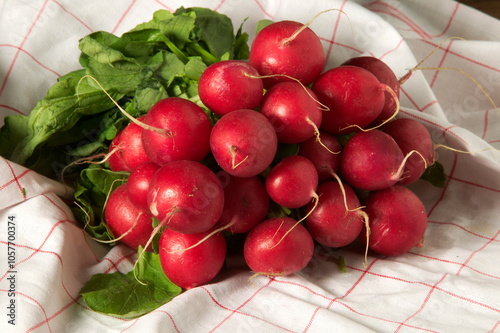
pixel 397 220
pixel 278 246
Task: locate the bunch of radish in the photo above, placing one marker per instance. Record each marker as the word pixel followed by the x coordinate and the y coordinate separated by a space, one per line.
pixel 323 145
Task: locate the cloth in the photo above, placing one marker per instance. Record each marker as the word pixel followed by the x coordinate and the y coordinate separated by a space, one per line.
pixel 451 284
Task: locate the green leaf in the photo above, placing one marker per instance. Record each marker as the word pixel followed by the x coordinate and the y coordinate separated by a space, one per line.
pixel 215 30
pixel 194 68
pixel 122 295
pixel 59 111
pixel 98 46
pixel 93 187
pixel 178 29
pixel 262 24
pixel 13 131
pixel 240 48
pixel 435 174
pixel 154 23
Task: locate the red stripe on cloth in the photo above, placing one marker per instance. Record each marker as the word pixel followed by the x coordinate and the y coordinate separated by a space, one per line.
pixel 137 320
pixel 398 45
pixel 397 14
pixel 436 73
pixel 384 319
pixel 450 20
pixel 237 310
pixel 453 263
pixel 496 69
pixel 485 129
pixel 445 188
pixel 15 178
pixel 73 15
pixel 422 306
pixel 464 229
pixel 123 17
pixel 217 8
pixel 75 300
pixel 263 9
pixel 25 38
pixel 335 28
pixel 12 108
pixel 20 49
pixel 463 298
pixel 34 301
pixel 165 6
pixel 476 252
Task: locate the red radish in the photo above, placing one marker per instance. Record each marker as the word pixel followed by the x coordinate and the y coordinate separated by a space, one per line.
pixel 292 182
pixel 354 96
pixel 246 202
pixel 188 131
pixel 397 220
pixel 278 246
pixel 371 160
pixel 386 76
pixel 186 196
pixel 198 265
pixel 330 223
pixel 230 85
pixel 126 148
pixel 138 184
pixel 411 135
pixel 243 143
pixel 129 224
pixel 288 48
pixel 324 154
pixel 293 110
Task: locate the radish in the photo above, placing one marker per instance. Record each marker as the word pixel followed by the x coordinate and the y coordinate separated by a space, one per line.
pixel 397 220
pixel 188 266
pixel 354 96
pixel 243 143
pixel 326 160
pixel 188 131
pixel 127 150
pixel 336 220
pixel 278 246
pixel 230 85
pixel 411 135
pixel 126 222
pixel 138 184
pixel 246 202
pixel 186 196
pixel 293 110
pixel 287 48
pixel 371 161
pixel 386 76
pixel 292 182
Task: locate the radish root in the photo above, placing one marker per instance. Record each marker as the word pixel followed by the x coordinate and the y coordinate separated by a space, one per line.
pixel 160 131
pixel 318 138
pixel 394 114
pixel 315 200
pixel 215 231
pixel 322 106
pixel 232 152
pixel 467 75
pixel 89 159
pixel 156 230
pixel 362 213
pixel 298 31
pixel 399 172
pixel 405 77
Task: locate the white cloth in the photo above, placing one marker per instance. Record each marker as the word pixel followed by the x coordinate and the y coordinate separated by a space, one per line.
pixel 452 284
